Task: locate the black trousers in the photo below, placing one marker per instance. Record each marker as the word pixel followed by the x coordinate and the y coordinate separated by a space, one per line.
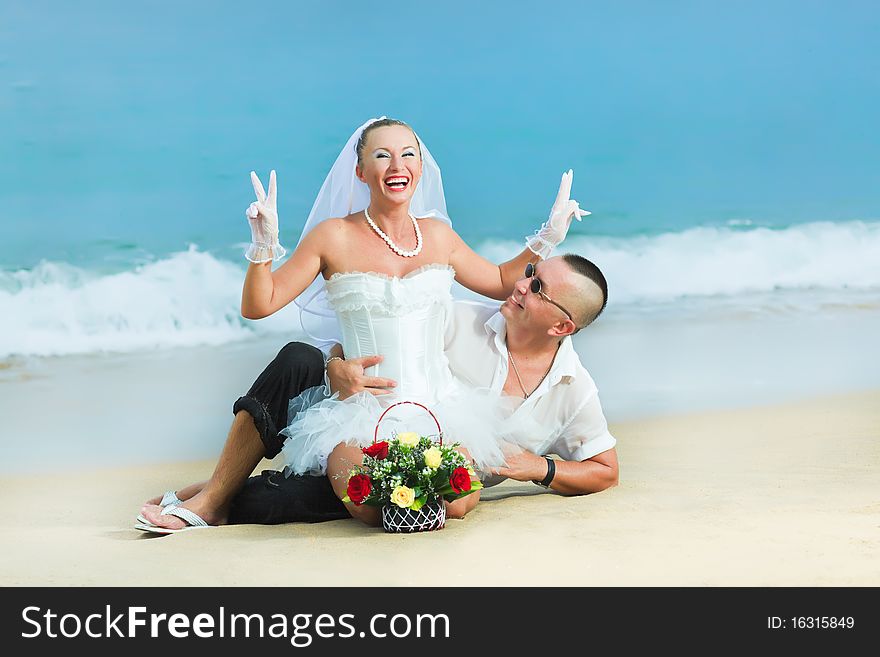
pixel 271 498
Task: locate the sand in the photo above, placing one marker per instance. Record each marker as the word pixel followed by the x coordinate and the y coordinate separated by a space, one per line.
pixel 779 495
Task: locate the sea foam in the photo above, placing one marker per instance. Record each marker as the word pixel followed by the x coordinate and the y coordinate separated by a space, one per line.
pixel 188 298
pixel 715 262
pixel 193 298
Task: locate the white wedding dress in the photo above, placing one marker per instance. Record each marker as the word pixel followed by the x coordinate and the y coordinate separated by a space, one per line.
pixel 404 320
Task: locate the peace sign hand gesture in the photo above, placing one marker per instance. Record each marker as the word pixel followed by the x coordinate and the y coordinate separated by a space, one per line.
pixel 262 215
pixel 554 230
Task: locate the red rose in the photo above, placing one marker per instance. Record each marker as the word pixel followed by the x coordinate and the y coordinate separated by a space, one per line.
pixel 460 480
pixel 359 487
pixel 377 450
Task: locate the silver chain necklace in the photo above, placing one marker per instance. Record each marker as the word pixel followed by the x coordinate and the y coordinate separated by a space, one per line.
pixel 390 243
pixel 526 395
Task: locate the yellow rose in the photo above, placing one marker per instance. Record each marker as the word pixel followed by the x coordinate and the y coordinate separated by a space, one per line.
pixel 408 438
pixel 403 497
pixel 433 457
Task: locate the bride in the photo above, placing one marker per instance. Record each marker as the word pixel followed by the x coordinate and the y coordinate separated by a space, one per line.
pixel 379 255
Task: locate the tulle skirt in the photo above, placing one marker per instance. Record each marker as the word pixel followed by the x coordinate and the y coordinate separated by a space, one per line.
pixel 473 417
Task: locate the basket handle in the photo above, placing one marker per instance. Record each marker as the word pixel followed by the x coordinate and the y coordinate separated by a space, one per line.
pixel 439 430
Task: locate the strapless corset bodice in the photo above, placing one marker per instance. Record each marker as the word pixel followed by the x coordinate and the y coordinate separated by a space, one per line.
pixel 403 319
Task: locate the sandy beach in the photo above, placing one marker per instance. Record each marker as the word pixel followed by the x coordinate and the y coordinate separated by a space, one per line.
pixel 783 495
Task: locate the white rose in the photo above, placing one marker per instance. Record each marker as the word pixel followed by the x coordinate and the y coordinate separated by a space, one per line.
pixel 408 438
pixel 403 497
pixel 433 457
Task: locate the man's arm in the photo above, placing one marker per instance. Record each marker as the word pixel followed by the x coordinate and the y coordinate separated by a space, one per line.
pixel 572 477
pixel 347 376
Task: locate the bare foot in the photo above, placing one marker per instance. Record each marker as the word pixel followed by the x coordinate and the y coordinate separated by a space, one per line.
pixel 183 494
pixel 197 504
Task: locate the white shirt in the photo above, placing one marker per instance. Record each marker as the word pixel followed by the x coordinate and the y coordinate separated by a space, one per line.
pixel 562 416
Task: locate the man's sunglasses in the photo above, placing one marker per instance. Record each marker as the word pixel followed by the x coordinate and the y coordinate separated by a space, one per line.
pixel 535 287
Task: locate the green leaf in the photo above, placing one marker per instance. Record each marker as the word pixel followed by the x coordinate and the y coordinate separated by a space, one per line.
pixel 451 497
pixel 418 503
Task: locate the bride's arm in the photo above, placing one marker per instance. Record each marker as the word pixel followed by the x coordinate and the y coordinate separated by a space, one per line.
pixel 266 291
pixel 482 276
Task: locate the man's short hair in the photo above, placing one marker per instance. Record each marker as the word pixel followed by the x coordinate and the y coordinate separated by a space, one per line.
pixel 588 269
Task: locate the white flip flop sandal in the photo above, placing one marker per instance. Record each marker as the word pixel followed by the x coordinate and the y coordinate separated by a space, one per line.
pixel 192 519
pixel 168 498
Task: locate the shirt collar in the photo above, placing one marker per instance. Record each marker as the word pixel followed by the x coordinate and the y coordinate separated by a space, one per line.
pixel 497 326
pixel 564 365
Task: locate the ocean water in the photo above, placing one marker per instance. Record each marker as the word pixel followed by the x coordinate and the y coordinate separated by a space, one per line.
pixel 192 297
pixel 729 155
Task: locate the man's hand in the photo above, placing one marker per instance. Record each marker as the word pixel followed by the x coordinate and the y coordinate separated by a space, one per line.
pixel 347 377
pixel 523 466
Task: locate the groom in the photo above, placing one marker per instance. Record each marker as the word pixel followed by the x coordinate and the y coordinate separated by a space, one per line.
pixel 523 350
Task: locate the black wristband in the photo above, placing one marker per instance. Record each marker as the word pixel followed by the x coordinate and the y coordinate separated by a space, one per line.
pixel 551 472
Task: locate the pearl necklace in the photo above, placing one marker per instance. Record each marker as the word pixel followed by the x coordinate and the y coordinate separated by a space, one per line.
pixel 405 254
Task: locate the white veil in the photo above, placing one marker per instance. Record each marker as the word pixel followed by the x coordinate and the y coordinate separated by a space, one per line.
pixel 342 194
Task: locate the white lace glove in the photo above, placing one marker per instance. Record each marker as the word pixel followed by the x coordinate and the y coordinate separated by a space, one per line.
pixel 262 215
pixel 553 231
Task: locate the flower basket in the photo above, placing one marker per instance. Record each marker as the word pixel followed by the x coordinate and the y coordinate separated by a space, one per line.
pixel 405 521
pixel 409 476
